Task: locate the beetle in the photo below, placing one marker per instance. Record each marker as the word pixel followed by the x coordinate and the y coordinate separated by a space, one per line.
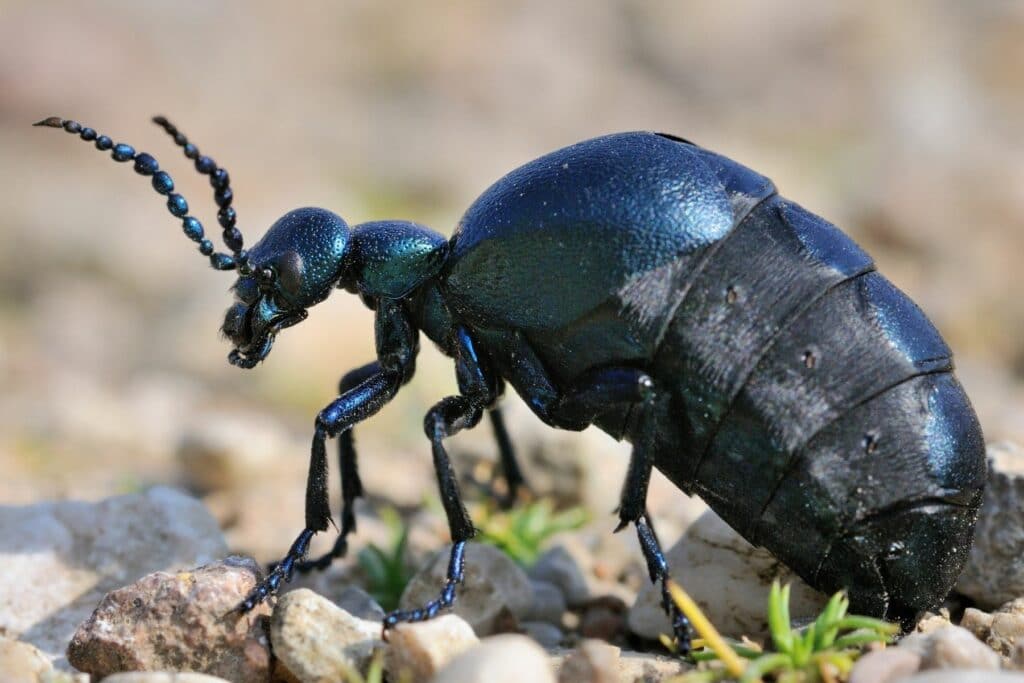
pixel 746 347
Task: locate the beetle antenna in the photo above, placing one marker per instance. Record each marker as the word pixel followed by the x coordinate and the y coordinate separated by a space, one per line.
pixel 219 179
pixel 146 165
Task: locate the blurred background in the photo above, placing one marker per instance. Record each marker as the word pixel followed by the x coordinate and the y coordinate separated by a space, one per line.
pixel 903 123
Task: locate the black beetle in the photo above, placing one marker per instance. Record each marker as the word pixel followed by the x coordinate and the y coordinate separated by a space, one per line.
pixel 746 348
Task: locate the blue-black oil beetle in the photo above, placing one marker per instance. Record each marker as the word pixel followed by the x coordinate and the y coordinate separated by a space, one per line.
pixel 746 347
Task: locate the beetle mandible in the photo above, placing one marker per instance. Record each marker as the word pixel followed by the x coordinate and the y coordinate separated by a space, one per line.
pixel 746 347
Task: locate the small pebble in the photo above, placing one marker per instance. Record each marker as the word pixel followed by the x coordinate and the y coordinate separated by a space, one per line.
pixel 951 647
pixel 418 650
pixel 169 621
pixel 884 666
pixel 548 603
pixel 557 566
pixel 548 635
pixel 494 586
pixel 1006 631
pixel 359 603
pixel 593 661
pixel 22 663
pixel 162 677
pixel 965 676
pixel 507 658
pixel 977 622
pixel 316 640
pixel 640 666
pixel 603 618
pixel 933 622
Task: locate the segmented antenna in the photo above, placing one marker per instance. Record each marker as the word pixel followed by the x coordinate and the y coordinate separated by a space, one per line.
pixel 146 165
pixel 219 180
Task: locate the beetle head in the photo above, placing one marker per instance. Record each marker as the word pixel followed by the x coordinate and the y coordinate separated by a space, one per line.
pixel 293 267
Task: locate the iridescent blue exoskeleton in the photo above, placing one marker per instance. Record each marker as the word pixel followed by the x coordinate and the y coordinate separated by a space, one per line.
pixel 747 348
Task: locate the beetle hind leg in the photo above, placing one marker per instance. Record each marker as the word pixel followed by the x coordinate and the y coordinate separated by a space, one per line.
pixel 633 509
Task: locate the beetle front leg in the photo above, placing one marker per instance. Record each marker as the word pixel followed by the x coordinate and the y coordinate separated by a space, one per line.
pixel 354 406
pixel 396 352
pixel 351 485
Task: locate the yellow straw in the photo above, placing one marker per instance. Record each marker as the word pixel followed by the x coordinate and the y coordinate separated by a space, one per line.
pixel 733 664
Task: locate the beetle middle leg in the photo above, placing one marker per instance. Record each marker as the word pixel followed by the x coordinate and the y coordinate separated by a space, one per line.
pixel 598 391
pixel 478 389
pixel 506 483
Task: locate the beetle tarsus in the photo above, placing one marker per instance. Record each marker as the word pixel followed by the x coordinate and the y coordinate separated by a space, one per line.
pixel 657 569
pixel 456 571
pixel 282 572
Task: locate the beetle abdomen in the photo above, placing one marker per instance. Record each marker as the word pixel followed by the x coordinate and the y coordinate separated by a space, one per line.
pixel 770 268
pixel 883 500
pixel 786 341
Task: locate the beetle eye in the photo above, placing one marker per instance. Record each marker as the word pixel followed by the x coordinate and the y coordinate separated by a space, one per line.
pixel 247 290
pixel 265 277
pixel 289 275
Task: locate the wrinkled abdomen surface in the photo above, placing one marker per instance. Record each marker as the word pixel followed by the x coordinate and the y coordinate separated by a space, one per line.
pixel 813 406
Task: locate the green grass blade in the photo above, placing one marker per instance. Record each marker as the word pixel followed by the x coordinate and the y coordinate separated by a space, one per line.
pixel 778 620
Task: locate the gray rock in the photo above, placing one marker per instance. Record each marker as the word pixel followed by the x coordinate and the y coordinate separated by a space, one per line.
pixel 965 676
pixel 885 666
pixel 508 658
pixel 59 559
pixel 728 578
pixel 162 677
pixel 951 647
pixel 566 570
pixel 995 569
pixel 494 587
pixel 633 667
pixel 545 633
pixel 315 640
pixel 548 603
pixel 178 622
pixel 593 661
pixel 418 651
pixel 359 603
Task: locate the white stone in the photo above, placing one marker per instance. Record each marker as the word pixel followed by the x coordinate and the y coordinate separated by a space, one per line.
pixel 885 666
pixel 500 659
pixel 951 647
pixel 418 650
pixel 317 641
